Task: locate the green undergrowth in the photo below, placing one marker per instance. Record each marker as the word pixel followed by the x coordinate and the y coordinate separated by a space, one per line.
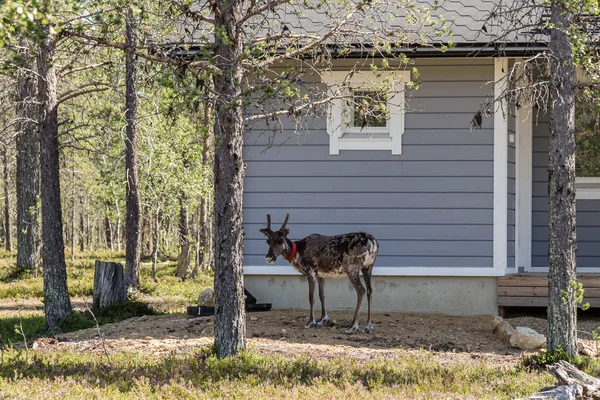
pixel 19 287
pixel 540 361
pixel 23 327
pixel 201 375
pixel 26 327
pixel 113 313
pixel 18 284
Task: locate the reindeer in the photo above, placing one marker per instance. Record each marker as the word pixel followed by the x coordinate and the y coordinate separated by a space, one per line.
pixel 316 255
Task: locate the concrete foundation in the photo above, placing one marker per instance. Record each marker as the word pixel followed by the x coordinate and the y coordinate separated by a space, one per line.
pixel 444 295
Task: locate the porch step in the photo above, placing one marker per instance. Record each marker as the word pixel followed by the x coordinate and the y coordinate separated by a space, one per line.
pixel 531 290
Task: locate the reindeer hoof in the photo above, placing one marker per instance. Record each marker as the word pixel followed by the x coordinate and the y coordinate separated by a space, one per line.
pixel 311 324
pixel 353 328
pixel 323 321
pixel 368 328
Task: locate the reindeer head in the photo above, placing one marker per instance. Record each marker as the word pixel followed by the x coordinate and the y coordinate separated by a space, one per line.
pixel 277 241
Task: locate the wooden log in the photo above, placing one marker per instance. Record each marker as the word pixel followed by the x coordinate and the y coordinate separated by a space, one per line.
pixel 570 392
pixel 109 285
pixel 572 384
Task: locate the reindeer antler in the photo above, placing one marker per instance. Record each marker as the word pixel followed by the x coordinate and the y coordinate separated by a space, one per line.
pixel 269 221
pixel 287 216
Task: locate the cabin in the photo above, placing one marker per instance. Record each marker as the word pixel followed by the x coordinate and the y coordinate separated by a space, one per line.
pixel 461 215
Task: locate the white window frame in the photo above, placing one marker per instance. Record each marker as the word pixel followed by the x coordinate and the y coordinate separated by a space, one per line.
pixel 338 116
pixel 588 188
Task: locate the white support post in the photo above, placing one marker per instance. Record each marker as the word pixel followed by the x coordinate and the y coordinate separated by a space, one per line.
pixel 500 252
pixel 524 168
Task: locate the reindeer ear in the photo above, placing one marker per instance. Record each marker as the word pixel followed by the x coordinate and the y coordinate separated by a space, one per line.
pixel 266 231
pixel 284 231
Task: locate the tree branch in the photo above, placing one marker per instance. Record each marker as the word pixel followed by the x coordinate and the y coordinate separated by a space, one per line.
pixel 149 57
pixel 75 70
pixel 77 92
pixel 253 10
pixel 68 21
pixel 309 46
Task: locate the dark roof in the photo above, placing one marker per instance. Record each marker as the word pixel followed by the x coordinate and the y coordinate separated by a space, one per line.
pixel 469 26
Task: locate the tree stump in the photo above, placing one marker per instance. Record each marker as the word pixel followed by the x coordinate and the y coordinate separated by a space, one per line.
pixel 109 284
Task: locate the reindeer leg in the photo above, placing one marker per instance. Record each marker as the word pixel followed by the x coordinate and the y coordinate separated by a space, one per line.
pixel 311 299
pixel 324 318
pixel 367 275
pixel 360 292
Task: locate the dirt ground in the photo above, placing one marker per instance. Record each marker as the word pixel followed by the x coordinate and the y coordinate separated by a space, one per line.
pixel 282 332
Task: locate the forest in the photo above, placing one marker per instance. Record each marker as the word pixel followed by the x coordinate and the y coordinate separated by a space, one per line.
pixel 168 137
pixel 122 130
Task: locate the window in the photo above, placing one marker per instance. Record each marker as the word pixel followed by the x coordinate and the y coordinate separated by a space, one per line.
pixel 587 137
pixel 368 111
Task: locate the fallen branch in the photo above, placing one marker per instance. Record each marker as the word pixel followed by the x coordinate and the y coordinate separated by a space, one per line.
pixel 573 384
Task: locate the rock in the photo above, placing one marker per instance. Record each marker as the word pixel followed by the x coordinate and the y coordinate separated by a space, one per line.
pixel 586 350
pixel 526 339
pixel 253 319
pixel 495 322
pixel 504 331
pixel 206 298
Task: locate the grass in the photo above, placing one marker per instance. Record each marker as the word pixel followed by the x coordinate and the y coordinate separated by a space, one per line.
pixel 200 374
pixel 70 374
pixel 18 286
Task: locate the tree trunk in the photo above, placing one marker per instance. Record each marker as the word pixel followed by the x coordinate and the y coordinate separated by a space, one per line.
pixel 155 241
pixel 7 227
pixel 132 221
pixel 29 230
pixel 81 226
pixel 562 311
pixel 117 233
pixel 230 316
pixel 107 229
pixel 73 235
pixel 207 233
pixel 57 304
pixel 200 245
pixel 89 233
pixel 109 285
pixel 183 260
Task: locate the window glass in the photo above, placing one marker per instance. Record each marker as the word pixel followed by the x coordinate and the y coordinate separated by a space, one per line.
pixel 587 135
pixel 369 109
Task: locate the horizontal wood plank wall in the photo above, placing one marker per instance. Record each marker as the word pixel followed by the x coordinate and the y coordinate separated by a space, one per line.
pixel 531 290
pixel 430 207
pixel 588 211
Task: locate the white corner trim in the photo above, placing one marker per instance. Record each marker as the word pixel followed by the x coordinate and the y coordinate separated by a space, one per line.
pixel 587 188
pixel 337 123
pixel 500 166
pixel 384 271
pixel 523 175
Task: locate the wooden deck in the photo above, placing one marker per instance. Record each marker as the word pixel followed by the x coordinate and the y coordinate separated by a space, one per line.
pixel 531 290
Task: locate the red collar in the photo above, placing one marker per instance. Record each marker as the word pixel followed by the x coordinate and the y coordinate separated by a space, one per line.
pixel 293 253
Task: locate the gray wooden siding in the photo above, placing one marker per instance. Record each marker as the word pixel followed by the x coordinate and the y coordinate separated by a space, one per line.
pixel 588 211
pixel 429 207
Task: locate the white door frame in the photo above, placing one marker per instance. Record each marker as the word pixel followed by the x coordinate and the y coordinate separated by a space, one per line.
pixel 500 211
pixel 523 198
